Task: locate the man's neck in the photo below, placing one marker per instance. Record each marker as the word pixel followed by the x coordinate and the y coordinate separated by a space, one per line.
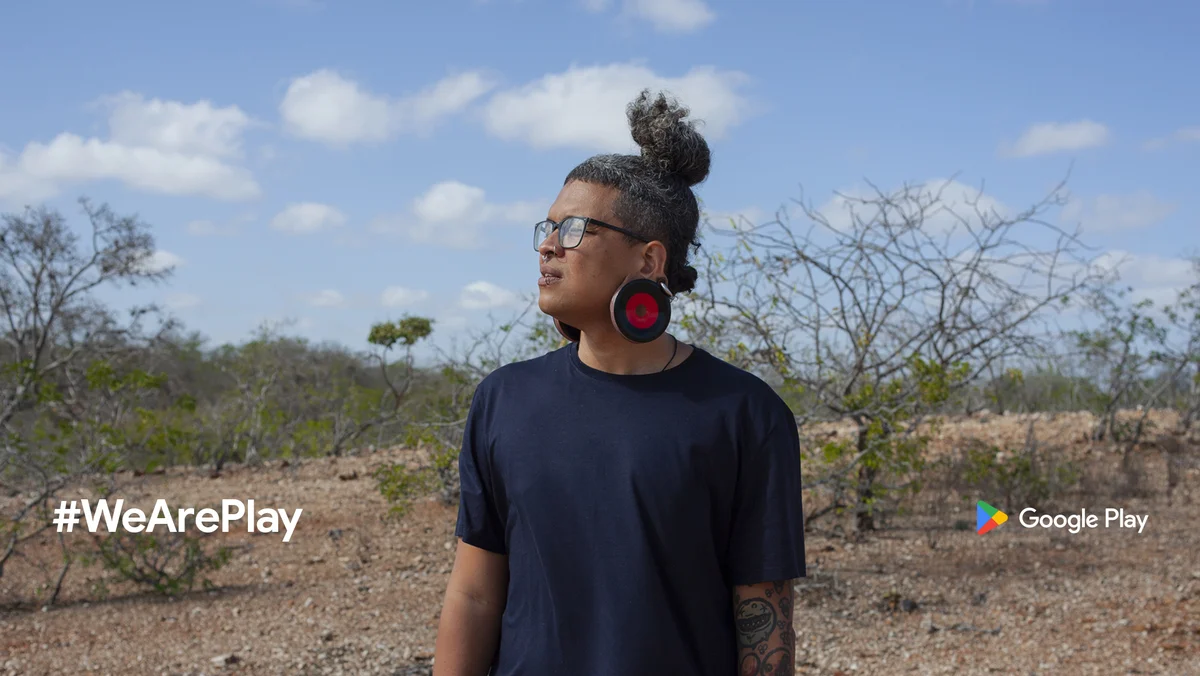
pixel 604 349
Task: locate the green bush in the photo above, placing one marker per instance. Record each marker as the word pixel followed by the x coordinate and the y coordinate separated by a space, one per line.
pixel 400 485
pixel 166 563
pixel 1022 478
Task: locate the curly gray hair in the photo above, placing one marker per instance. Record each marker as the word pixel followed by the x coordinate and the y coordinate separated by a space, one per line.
pixel 656 199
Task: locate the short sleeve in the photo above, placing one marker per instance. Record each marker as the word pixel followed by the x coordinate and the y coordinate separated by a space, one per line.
pixel 767 537
pixel 479 523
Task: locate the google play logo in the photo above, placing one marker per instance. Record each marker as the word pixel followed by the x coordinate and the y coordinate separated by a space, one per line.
pixel 987 517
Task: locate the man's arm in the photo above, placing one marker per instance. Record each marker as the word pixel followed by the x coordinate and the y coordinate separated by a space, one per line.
pixel 762 615
pixel 469 627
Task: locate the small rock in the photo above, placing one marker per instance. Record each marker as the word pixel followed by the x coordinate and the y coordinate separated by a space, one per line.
pixel 222 660
pixel 327 635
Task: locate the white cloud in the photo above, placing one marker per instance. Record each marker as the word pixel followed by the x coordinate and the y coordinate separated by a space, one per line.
pixel 307 217
pixel 1052 137
pixel 181 301
pixel 326 298
pixel 454 214
pixel 584 107
pixel 325 106
pixel 17 185
pixel 448 202
pixel 671 16
pixel 196 129
pixel 71 158
pixel 939 205
pixel 159 261
pixel 483 295
pixel 157 146
pixel 1157 278
pixel 1147 269
pixel 1112 213
pixel 1184 135
pixel 399 296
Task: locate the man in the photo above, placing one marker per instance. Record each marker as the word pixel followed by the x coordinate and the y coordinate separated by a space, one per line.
pixel 627 507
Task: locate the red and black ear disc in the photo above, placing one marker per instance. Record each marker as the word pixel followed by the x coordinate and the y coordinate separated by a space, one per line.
pixel 641 310
pixel 569 332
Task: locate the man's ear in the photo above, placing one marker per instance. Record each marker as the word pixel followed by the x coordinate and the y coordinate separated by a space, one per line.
pixel 654 260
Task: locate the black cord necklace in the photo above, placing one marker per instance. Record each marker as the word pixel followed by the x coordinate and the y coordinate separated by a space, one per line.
pixel 674 349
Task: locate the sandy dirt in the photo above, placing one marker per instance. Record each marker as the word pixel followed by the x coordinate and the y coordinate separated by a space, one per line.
pixel 356 593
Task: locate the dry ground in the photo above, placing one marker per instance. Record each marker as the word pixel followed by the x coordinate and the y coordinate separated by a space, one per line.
pixel 356 593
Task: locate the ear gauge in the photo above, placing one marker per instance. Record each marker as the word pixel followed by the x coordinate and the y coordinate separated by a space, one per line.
pixel 641 309
pixel 662 281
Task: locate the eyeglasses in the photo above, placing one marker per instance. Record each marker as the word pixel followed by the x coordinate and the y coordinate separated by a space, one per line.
pixel 570 231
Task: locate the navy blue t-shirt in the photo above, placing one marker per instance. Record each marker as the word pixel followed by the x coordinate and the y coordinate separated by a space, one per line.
pixel 628 507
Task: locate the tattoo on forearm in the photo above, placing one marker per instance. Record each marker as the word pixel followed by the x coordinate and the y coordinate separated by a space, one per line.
pixel 776 661
pixel 786 628
pixel 755 620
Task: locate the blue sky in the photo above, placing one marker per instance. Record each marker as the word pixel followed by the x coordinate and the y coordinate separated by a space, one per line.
pixel 345 163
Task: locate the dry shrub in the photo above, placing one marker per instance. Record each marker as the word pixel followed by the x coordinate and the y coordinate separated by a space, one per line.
pixel 1031 476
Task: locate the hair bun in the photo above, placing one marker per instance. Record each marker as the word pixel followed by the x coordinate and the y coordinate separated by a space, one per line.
pixel 684 279
pixel 669 144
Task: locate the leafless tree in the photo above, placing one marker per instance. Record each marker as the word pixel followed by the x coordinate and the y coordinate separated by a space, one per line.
pixel 1121 351
pixel 879 312
pixel 1183 320
pixel 63 383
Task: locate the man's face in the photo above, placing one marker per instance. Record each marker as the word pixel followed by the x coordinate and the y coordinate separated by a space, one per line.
pixel 587 275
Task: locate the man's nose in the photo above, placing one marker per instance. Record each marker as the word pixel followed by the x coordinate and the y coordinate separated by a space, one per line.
pixel 550 245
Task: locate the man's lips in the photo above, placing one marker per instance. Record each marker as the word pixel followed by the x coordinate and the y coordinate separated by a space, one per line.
pixel 549 276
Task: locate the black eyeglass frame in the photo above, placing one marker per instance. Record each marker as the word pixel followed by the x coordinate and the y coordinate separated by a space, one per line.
pixel 586 222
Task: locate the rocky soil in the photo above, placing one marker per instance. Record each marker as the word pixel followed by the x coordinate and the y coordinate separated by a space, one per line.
pixel 356 593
